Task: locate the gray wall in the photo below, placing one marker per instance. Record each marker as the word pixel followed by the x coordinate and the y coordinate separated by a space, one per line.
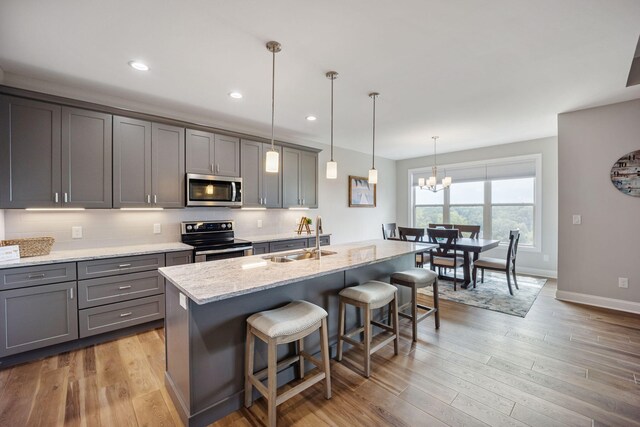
pixel 593 255
pixel 531 262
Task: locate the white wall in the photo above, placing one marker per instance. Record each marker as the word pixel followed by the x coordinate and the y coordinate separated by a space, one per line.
pixel 605 246
pixel 528 262
pixel 114 227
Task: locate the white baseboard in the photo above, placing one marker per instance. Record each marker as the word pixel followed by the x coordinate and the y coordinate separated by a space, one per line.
pixel 550 274
pixel 602 302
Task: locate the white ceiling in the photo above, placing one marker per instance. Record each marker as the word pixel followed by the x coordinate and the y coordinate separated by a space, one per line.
pixel 475 72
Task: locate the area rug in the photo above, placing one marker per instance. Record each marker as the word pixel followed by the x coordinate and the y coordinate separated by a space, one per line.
pixel 493 294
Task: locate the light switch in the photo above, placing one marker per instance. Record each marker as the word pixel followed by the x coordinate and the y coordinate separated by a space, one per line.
pixel 157 228
pixel 259 223
pixel 577 219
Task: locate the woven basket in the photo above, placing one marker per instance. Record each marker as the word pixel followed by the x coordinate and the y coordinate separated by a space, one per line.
pixel 32 246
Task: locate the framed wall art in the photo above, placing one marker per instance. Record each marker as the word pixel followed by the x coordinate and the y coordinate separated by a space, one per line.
pixel 361 193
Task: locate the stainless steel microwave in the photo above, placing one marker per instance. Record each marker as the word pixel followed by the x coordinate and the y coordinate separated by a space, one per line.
pixel 210 190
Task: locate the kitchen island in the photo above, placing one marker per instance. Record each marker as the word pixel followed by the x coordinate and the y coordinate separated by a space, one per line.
pixel 207 305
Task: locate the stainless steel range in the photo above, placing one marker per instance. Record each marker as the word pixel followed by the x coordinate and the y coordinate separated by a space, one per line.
pixel 213 240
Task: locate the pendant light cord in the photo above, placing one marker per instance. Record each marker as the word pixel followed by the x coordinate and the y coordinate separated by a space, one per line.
pixel 332 79
pixel 373 151
pixel 273 91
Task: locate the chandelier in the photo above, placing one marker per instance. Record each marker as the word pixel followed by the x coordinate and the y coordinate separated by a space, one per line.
pixel 431 183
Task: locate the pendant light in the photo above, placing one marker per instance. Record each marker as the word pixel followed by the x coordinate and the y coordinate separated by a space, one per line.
pixel 373 173
pixel 431 184
pixel 272 162
pixel 332 166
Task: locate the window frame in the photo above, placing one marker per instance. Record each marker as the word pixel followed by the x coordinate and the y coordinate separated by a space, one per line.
pixel 488 205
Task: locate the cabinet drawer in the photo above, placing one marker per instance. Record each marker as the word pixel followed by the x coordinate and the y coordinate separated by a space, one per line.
pixel 107 290
pixel 120 315
pixel 260 248
pixel 114 266
pixel 285 245
pixel 179 258
pixel 21 277
pixel 324 241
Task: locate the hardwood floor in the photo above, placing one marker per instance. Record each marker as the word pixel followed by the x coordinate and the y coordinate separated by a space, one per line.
pixel 564 364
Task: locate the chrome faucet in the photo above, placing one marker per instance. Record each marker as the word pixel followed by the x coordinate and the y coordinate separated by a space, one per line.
pixel 318 228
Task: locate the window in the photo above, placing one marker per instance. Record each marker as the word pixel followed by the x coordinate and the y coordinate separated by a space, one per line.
pixel 499 195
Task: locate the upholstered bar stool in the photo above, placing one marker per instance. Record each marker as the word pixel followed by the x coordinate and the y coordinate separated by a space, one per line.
pixel 290 323
pixel 368 296
pixel 414 279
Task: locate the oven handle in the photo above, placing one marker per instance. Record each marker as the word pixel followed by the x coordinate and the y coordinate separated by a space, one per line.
pixel 222 251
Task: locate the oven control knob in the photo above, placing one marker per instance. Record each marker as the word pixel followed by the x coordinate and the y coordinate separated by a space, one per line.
pixel 189 227
pixel 229 226
pixel 224 226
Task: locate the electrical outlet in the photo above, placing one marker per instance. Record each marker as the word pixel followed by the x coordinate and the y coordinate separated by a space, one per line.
pixel 157 228
pixel 577 219
pixel 76 232
pixel 259 223
pixel 545 258
pixel 183 300
pixel 623 282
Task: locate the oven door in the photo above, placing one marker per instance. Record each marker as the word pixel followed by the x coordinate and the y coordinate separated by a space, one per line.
pixel 209 190
pixel 216 254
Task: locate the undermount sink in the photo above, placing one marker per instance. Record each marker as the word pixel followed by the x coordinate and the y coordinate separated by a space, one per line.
pixel 297 256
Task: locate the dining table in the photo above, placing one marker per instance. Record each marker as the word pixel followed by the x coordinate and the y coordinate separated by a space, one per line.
pixel 470 246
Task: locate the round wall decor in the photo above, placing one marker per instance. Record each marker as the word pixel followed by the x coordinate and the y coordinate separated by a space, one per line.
pixel 625 174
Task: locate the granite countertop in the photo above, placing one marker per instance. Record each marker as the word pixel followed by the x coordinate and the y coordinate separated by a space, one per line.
pixel 95 253
pixel 218 280
pixel 280 236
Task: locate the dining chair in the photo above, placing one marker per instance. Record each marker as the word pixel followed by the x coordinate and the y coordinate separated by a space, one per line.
pixel 508 266
pixel 446 254
pixel 440 225
pixel 389 231
pixel 413 235
pixel 473 230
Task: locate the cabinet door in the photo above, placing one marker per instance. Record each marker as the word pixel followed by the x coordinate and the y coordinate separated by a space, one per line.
pixel 37 317
pixel 131 163
pixel 290 177
pixel 29 153
pixel 309 179
pixel 260 248
pixel 251 167
pixel 178 258
pixel 167 165
pixel 227 156
pixel 200 152
pixel 86 159
pixel 271 182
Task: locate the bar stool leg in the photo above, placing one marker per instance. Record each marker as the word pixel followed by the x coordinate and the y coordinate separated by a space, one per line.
pixel 436 302
pixel 272 381
pixel 396 325
pixel 248 368
pixel 324 349
pixel 414 312
pixel 367 341
pixel 341 330
pixel 301 361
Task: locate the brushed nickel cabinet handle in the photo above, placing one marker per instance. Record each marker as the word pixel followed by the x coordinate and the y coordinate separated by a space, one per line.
pixel 125 314
pixel 211 166
pixel 218 168
pixel 70 293
pixel 36 276
pixel 124 265
pixel 55 197
pixel 66 197
pixel 155 198
pixel 125 287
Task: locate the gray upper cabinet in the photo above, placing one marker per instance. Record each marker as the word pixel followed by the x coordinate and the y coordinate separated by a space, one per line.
pixel 54 156
pixel 300 178
pixel 86 159
pixel 212 154
pixel 30 143
pixel 37 317
pixel 148 164
pixel 259 188
pixel 167 166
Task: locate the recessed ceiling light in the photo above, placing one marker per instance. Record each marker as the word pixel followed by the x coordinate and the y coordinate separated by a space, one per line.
pixel 140 66
pixel 235 95
pixel 312 118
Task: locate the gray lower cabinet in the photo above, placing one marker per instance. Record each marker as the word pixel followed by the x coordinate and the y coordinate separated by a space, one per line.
pixel 52 156
pixel 121 265
pixel 107 290
pixel 22 277
pixel 324 241
pixel 286 245
pixel 111 317
pixel 178 258
pixel 260 248
pixel 259 187
pixel 299 178
pixel 289 244
pixel 212 154
pixel 148 164
pixel 37 316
